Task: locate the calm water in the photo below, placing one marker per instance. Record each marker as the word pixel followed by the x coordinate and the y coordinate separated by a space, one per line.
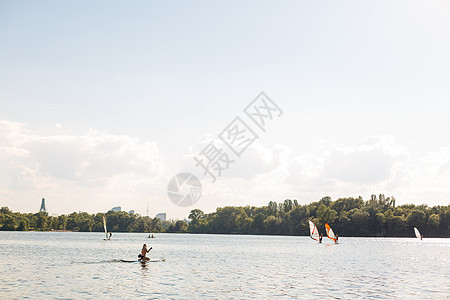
pixel 83 265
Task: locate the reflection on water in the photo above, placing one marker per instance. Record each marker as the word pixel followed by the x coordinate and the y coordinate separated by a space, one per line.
pixel 82 265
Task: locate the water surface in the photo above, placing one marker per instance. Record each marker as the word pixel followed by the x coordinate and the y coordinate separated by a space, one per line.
pixel 82 265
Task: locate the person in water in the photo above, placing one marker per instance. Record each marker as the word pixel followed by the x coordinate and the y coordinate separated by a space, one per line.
pixel 144 252
pixel 110 234
pixel 320 238
pixel 337 237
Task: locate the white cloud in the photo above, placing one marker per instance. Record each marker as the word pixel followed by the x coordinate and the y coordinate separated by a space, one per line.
pixel 430 178
pixel 11 133
pixel 373 165
pixel 254 161
pixel 304 168
pixel 372 160
pixel 97 170
pixel 95 165
pixel 93 158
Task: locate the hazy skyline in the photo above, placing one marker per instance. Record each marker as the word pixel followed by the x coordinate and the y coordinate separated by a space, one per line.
pixel 102 103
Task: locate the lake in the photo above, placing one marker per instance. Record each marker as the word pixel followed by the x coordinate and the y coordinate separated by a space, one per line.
pixel 74 265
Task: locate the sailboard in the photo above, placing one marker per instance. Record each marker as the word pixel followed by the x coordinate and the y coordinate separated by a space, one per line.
pixel 418 235
pixel 104 226
pixel 330 233
pixel 313 231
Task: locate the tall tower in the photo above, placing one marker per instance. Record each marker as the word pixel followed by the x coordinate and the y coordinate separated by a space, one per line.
pixel 43 207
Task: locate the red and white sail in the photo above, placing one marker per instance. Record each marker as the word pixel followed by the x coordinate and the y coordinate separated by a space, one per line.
pixel 330 232
pixel 313 231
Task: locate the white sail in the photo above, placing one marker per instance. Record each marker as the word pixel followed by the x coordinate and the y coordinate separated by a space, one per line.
pixel 418 235
pixel 313 231
pixel 330 232
pixel 104 226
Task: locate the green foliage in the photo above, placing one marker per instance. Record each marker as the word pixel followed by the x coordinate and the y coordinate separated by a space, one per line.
pixel 377 216
pixel 117 221
pixel 178 226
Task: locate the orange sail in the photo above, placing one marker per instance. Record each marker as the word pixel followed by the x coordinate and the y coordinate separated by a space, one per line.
pixel 330 232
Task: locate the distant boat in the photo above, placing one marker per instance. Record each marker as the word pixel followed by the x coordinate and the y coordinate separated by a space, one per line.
pixel 313 231
pixel 104 226
pixel 330 233
pixel 417 232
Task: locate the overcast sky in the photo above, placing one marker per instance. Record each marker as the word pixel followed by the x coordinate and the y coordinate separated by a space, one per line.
pixel 102 102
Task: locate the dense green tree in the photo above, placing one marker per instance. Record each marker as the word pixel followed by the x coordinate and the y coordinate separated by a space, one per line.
pixel 178 226
pixel 288 205
pixel 9 223
pixel 41 220
pixel 325 215
pixel 377 216
pixel 416 218
pixel 273 208
pixel 360 220
pixel 346 204
pixel 273 225
pixel 195 215
pixel 258 226
pixel 298 220
pixel 433 223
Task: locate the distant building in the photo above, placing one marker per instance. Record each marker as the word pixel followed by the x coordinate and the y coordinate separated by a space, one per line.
pixel 43 207
pixel 131 212
pixel 116 209
pixel 161 216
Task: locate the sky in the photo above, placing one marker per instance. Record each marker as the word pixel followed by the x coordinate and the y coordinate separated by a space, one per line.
pixel 102 103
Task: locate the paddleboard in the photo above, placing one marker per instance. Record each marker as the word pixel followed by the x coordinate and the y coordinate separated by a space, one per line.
pixel 143 261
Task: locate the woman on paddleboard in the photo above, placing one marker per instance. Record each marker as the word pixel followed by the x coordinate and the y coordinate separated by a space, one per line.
pixel 144 251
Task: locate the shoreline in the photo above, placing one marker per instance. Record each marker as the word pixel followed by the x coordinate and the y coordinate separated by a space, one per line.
pixel 235 234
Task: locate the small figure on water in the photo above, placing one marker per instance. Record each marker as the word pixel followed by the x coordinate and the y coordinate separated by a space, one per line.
pixel 320 238
pixel 110 235
pixel 144 251
pixel 336 241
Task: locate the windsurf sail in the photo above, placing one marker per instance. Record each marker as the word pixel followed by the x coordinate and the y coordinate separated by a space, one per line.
pixel 418 235
pixel 104 226
pixel 313 231
pixel 330 232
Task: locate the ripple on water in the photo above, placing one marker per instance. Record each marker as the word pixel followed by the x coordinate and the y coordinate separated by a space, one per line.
pixel 82 265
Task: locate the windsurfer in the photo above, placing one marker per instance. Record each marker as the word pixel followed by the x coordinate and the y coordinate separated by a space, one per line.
pixel 337 237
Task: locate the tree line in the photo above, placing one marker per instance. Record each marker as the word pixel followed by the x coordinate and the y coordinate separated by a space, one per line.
pixel 116 222
pixel 376 217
